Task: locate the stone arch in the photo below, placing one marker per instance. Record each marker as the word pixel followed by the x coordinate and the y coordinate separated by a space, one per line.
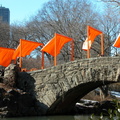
pixel 66 102
pixel 58 87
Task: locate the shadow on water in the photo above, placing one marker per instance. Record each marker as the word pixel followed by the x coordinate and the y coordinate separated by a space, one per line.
pixel 77 117
pixel 50 118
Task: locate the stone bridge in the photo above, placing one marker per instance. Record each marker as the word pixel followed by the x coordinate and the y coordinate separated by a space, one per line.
pixel 59 88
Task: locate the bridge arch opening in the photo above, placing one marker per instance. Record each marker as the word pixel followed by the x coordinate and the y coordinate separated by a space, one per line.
pixel 65 104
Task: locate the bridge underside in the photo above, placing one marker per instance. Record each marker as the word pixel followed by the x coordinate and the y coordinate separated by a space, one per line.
pixel 65 104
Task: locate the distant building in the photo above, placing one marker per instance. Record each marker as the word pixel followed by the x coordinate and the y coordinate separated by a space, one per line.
pixel 4 15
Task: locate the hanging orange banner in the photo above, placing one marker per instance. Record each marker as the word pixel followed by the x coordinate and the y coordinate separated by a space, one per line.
pixel 6 56
pixel 117 42
pixel 25 48
pixel 54 46
pixel 92 33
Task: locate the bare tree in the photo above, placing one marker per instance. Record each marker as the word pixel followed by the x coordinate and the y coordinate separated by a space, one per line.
pixel 65 17
pixel 115 5
pixel 18 32
pixel 116 2
pixel 24 31
pixel 110 24
pixel 4 35
pixel 69 18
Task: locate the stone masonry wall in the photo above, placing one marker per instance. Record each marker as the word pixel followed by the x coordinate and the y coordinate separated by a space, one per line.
pixel 51 83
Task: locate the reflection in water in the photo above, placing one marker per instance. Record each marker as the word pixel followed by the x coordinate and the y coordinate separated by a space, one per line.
pixel 76 117
pixel 43 118
pixel 80 117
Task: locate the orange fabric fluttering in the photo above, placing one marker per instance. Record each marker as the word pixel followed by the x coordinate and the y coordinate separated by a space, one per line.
pixel 92 34
pixel 6 56
pixel 117 42
pixel 25 48
pixel 54 46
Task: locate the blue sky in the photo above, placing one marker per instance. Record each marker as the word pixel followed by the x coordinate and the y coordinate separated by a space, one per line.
pixel 21 10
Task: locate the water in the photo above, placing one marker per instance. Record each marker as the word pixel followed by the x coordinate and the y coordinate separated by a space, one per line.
pixel 77 117
pixel 116 94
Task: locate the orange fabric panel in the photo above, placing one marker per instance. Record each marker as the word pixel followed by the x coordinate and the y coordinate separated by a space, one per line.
pixel 6 56
pixel 117 42
pixel 54 46
pixel 26 47
pixel 16 53
pixel 92 33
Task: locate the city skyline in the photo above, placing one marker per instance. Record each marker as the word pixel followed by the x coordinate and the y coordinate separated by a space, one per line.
pixel 4 15
pixel 22 10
